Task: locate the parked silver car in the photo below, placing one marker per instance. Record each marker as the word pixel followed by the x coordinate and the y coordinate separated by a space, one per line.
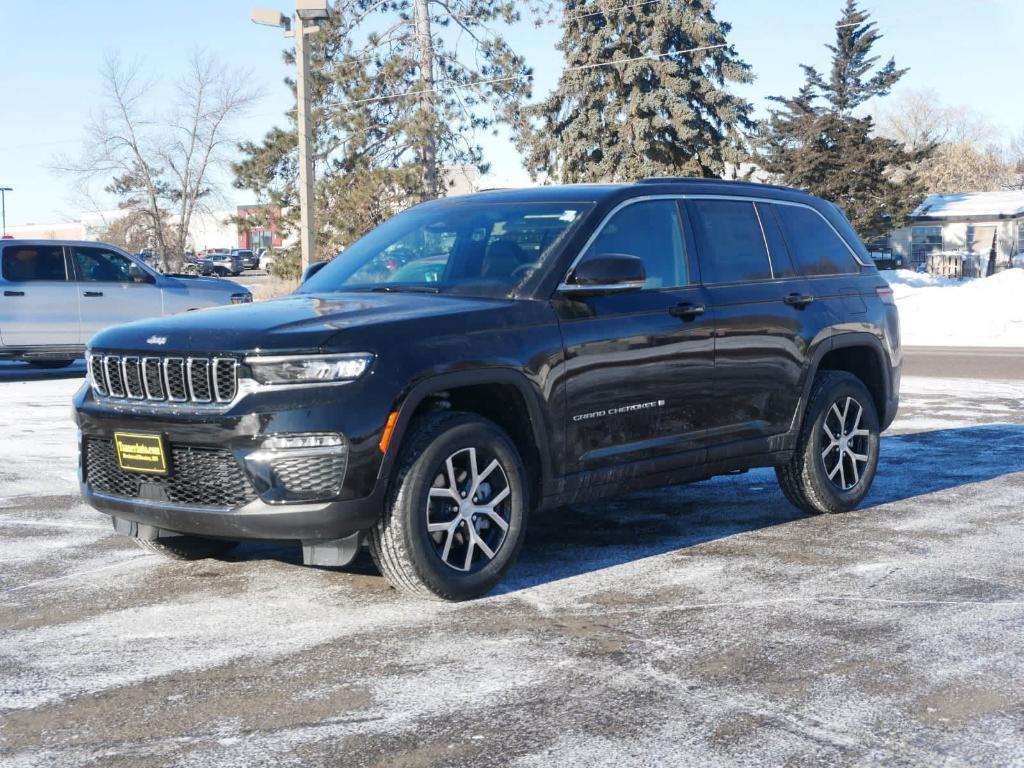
pixel 56 294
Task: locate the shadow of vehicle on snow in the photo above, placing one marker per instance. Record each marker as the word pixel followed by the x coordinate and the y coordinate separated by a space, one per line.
pixel 575 540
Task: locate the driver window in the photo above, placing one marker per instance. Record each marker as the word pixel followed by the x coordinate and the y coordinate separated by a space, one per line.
pixel 652 231
pixel 97 265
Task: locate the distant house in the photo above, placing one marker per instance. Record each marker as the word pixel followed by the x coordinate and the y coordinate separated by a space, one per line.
pixel 961 228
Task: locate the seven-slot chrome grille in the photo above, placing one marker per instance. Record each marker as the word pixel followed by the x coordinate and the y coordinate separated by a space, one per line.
pixel 164 379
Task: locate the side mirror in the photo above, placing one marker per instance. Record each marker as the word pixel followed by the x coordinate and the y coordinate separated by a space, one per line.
pixel 139 275
pixel 606 273
pixel 313 268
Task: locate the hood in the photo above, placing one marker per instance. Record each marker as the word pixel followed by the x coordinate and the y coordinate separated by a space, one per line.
pixel 294 323
pixel 215 283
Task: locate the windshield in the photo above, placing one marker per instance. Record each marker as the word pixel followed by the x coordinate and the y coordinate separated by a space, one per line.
pixel 474 249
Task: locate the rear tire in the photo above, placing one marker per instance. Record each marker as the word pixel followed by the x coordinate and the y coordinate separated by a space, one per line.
pixel 836 455
pixel 185 547
pixel 456 516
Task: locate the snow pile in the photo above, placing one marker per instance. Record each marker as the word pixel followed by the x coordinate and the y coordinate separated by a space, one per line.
pixel 1008 203
pixel 937 311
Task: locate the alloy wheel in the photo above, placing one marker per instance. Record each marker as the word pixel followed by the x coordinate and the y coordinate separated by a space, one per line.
pixel 468 510
pixel 846 453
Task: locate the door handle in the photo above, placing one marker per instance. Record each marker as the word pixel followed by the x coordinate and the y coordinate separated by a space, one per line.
pixel 798 300
pixel 14 293
pixel 686 310
pixel 92 294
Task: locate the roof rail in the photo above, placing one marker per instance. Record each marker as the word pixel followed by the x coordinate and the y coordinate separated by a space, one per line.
pixel 705 180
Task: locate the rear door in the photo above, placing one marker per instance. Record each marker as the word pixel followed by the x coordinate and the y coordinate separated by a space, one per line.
pixel 112 289
pixel 39 305
pixel 639 364
pixel 823 257
pixel 766 323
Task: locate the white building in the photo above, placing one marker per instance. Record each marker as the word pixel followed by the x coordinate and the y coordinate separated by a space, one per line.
pixel 964 224
pixel 206 230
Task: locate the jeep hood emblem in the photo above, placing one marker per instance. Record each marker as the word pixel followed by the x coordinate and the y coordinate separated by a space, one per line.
pixel 157 340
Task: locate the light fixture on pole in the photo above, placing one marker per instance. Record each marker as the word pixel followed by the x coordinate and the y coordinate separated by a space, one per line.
pixel 311 11
pixel 3 208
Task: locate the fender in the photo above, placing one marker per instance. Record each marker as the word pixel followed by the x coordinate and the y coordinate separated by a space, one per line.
pixel 424 389
pixel 842 341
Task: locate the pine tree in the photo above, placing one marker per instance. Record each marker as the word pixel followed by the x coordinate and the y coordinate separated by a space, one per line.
pixel 397 96
pixel 821 140
pixel 664 110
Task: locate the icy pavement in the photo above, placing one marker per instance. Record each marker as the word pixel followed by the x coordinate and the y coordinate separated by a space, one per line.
pixel 709 624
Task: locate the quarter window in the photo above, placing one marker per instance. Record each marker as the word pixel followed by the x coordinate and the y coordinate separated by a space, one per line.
pixel 730 241
pixel 1020 236
pixel 924 241
pixel 34 262
pixel 651 231
pixel 815 247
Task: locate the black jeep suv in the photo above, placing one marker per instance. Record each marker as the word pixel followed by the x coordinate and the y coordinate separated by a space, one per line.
pixel 478 358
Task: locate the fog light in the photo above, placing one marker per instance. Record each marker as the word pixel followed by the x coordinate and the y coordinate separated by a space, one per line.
pixel 288 442
pixel 299 467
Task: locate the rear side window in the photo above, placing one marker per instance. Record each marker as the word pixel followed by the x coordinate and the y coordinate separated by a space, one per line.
pixel 729 241
pixel 23 263
pixel 815 247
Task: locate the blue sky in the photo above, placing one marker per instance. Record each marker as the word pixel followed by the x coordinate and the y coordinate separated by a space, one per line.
pixel 967 50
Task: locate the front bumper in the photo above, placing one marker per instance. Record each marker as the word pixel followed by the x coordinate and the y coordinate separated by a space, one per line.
pixel 236 435
pixel 256 520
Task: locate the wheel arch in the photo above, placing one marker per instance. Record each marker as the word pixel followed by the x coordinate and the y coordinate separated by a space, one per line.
pixel 860 354
pixel 504 396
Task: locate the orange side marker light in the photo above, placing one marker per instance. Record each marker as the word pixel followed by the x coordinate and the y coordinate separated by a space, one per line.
pixel 389 427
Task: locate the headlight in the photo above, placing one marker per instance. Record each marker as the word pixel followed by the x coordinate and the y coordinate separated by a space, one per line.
pixel 309 369
pixel 241 298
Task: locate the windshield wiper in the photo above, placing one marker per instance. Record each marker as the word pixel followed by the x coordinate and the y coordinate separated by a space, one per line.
pixel 403 289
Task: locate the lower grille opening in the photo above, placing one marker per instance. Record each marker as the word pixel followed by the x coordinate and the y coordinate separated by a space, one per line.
pixel 199 477
pixel 311 476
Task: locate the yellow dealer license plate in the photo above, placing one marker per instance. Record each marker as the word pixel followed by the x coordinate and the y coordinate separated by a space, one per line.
pixel 141 453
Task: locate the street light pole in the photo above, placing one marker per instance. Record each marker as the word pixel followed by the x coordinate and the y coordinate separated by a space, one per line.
pixel 3 207
pixel 307 194
pixel 305 10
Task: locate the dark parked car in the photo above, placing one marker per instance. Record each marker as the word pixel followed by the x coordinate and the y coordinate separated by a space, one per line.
pixel 248 259
pixel 220 264
pixel 479 358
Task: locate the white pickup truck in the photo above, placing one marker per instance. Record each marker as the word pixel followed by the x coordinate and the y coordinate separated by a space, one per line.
pixel 55 294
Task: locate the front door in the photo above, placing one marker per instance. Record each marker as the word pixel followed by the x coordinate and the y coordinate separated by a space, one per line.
pixel 39 306
pixel 766 323
pixel 639 364
pixel 112 289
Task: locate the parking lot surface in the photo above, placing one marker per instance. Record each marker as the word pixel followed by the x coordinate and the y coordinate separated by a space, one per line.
pixel 709 624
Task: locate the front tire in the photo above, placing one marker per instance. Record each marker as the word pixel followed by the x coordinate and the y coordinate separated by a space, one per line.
pixel 836 455
pixel 457 513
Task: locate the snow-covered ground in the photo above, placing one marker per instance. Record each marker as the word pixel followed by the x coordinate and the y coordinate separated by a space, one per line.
pixel 937 311
pixel 710 624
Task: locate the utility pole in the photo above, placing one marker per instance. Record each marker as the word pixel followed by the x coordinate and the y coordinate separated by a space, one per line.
pixel 425 43
pixel 3 207
pixel 307 194
pixel 312 11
